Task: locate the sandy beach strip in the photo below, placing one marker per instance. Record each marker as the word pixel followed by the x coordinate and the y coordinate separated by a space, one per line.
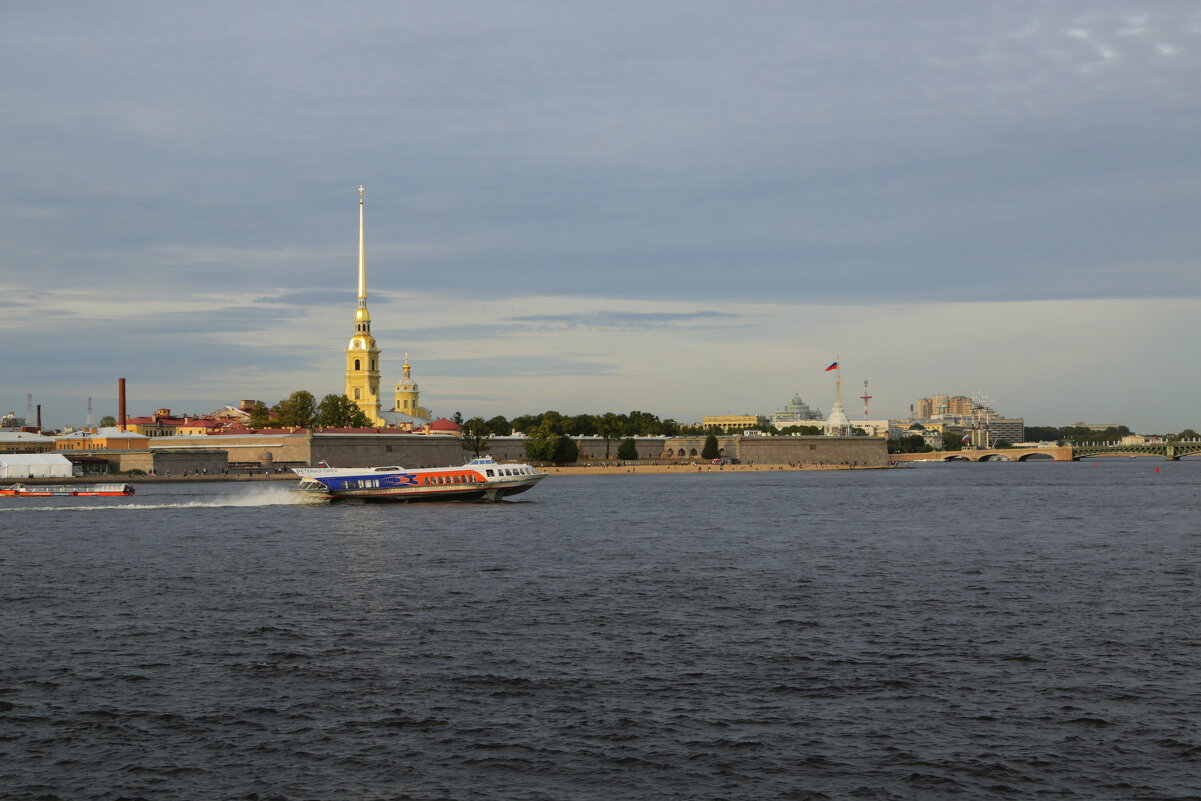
pixel 684 469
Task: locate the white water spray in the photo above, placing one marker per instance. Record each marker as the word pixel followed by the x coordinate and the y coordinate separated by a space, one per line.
pixel 254 496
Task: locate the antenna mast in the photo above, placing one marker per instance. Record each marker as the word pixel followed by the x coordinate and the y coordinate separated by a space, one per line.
pixel 865 398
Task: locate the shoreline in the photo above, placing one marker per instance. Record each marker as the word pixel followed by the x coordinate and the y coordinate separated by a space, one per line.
pixel 569 470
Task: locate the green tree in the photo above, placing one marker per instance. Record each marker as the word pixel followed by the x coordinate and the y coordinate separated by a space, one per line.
pixel 458 419
pixel 525 423
pixel 1002 444
pixel 566 450
pixel 628 451
pixel 802 430
pixel 710 451
pixel 553 422
pixel 609 427
pixel 582 425
pixel 475 435
pixel 1040 433
pixel 548 445
pixel 339 411
pixel 108 421
pixel 260 416
pixel 1187 433
pixel 541 447
pixel 952 439
pixel 499 427
pixel 913 443
pixel 298 409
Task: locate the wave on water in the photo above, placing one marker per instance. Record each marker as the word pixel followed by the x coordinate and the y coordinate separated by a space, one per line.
pixel 255 496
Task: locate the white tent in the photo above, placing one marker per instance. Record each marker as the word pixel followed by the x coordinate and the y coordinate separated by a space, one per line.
pixel 34 465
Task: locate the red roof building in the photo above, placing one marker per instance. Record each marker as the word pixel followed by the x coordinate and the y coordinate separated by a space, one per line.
pixel 443 426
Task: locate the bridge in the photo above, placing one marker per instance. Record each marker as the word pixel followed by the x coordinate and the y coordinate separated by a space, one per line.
pixel 1060 453
pixel 1171 450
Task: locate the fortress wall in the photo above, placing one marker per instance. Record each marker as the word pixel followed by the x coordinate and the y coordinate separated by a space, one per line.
pixel 593 450
pixel 285 449
pixel 379 450
pixel 862 451
pixel 792 450
pixel 162 461
pixel 764 450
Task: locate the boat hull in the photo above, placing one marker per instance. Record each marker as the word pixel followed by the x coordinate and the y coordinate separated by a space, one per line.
pixel 103 490
pixel 480 480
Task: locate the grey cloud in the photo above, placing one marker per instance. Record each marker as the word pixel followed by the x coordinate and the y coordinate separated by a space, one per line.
pixel 519 366
pixel 625 321
pixel 328 297
pixel 667 153
pixel 598 321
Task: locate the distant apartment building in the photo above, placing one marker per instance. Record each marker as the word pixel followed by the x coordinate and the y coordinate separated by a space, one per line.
pixel 940 406
pixel 1009 429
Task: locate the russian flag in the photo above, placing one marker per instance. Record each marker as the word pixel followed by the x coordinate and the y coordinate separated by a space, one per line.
pixel 832 367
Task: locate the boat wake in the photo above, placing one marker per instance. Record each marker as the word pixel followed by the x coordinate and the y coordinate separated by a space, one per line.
pixel 258 496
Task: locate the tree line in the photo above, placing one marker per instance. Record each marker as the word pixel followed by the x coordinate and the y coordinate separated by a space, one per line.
pixel 302 410
pixel 551 435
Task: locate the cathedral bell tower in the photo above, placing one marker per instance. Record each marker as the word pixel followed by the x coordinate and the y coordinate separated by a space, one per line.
pixel 407 396
pixel 362 354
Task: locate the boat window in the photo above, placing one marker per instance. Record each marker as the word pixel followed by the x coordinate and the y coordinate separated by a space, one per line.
pixel 490 473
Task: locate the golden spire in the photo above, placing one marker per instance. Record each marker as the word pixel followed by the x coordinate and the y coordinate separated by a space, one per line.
pixel 362 354
pixel 361 314
pixel 362 255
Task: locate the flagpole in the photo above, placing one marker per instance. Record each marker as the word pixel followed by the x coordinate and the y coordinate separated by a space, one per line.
pixel 838 380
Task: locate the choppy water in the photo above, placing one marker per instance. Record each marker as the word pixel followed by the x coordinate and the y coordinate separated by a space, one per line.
pixel 949 631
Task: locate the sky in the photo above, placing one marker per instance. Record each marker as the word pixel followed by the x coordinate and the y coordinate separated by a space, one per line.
pixel 687 208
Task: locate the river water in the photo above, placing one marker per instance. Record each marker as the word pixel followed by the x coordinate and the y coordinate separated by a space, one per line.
pixel 946 631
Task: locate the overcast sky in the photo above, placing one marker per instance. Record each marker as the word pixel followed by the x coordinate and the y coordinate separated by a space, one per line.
pixel 687 208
